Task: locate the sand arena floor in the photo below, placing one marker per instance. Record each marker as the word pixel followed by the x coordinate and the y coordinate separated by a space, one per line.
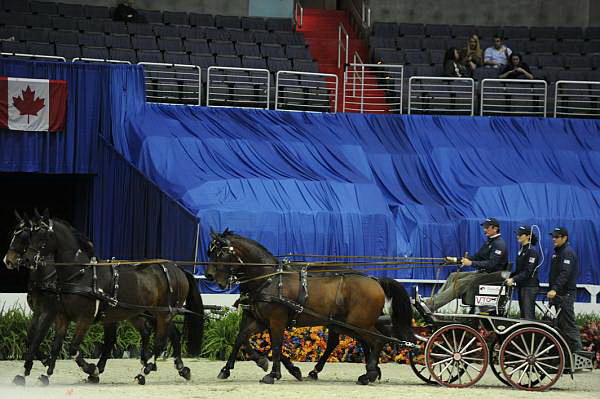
pixel 336 381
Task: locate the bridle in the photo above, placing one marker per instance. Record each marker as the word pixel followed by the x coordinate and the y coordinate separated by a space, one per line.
pixel 20 229
pixel 221 250
pixel 39 259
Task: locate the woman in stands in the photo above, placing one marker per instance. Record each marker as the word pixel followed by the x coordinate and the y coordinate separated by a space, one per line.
pixel 516 69
pixel 453 67
pixel 473 53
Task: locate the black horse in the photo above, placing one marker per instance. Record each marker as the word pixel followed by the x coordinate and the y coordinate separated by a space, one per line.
pixel 43 298
pixel 347 303
pixel 137 291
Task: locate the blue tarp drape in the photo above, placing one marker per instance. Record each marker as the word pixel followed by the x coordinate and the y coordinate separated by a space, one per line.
pixel 374 185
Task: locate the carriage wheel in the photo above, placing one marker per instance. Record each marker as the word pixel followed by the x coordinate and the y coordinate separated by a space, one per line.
pixel 419 367
pixel 494 349
pixel 532 359
pixel 457 356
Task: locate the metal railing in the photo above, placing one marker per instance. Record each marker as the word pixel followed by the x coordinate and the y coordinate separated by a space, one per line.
pixel 85 59
pixel 373 87
pixel 576 99
pixel 172 83
pixel 298 14
pixel 360 16
pixel 26 55
pixel 436 95
pixel 343 44
pixel 513 97
pixel 306 91
pixel 237 87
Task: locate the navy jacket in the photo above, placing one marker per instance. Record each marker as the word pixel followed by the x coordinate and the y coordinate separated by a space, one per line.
pixel 564 270
pixel 492 256
pixel 526 273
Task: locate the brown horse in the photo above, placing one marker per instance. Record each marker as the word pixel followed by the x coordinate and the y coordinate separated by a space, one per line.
pixel 346 302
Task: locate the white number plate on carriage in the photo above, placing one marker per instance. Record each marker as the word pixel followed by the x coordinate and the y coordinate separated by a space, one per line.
pixel 481 300
pixel 490 289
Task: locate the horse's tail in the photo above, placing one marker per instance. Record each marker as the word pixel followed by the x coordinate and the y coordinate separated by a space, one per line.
pixel 401 308
pixel 194 323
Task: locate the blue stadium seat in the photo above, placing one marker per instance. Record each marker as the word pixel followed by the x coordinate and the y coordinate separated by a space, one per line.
pixel 227 21
pixel 203 61
pixel 416 57
pixel 388 56
pixel 69 51
pixel 518 45
pixel 488 32
pixel 71 10
pixel 284 37
pixel 253 23
pixel 284 24
pixel 7 32
pixel 38 21
pixel 247 49
pixel 578 62
pixel 166 31
pixel 545 46
pixel 485 73
pixel 65 23
pixel 254 62
pixel 144 43
pixel 436 57
pixel 434 43
pixel 63 37
pixel 152 16
pixel 175 18
pixel 568 47
pixel 94 52
pixel 410 43
pixel 90 25
pixel 515 32
pixel 264 37
pixel 407 29
pixel 13 19
pixel 382 42
pixel 170 44
pixel 196 46
pixel 16 6
pixel 438 30
pixel 570 32
pixel 217 34
pixel 122 54
pixel 232 61
pixel 14 47
pixel 140 29
pixel 96 12
pixel 530 59
pixel 276 64
pixel 545 61
pixel 150 56
pixel 386 29
pixel 222 47
pixel 462 31
pixel 177 57
pixel 36 35
pixel 593 76
pixel 118 40
pixel 592 33
pixel 272 50
pixel 240 35
pixel 201 19
pixel 43 7
pixel 298 52
pixel 192 32
pixel 591 47
pixel 572 75
pixel 41 48
pixel 115 27
pixel 542 32
pixel 595 61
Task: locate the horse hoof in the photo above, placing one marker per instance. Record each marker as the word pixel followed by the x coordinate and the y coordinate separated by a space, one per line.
pixel 296 373
pixel 93 379
pixel 44 379
pixel 268 379
pixel 263 363
pixel 150 367
pixel 313 375
pixel 19 380
pixel 224 374
pixel 186 373
pixel 140 379
pixel 363 380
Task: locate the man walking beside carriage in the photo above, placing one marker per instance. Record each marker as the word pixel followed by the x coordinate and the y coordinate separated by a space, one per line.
pixel 490 261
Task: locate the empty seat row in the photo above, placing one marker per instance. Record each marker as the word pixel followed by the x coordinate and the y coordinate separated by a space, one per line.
pixel 392 29
pixel 44 10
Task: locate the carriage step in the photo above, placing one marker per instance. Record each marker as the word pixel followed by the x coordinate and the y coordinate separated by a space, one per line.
pixel 583 360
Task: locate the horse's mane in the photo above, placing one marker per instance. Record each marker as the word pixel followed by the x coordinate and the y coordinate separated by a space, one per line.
pixel 230 234
pixel 86 244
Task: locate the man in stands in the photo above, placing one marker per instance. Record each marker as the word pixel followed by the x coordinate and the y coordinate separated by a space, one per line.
pixel 490 261
pixel 126 13
pixel 563 286
pixel 496 56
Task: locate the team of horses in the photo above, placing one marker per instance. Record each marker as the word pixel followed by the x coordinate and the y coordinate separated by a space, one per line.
pixel 67 283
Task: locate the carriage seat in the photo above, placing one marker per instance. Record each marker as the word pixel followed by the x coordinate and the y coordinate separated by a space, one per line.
pixel 490 292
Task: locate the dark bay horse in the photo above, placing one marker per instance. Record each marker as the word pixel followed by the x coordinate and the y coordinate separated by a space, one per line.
pixel 346 303
pixel 43 298
pixel 118 293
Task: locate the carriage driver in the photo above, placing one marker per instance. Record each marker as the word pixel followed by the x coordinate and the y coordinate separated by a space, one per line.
pixel 490 261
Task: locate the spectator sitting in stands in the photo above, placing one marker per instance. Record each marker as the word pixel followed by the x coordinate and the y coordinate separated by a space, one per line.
pixel 516 69
pixel 126 13
pixel 497 55
pixel 473 53
pixel 453 66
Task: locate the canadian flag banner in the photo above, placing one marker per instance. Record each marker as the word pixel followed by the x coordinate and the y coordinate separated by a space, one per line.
pixel 33 104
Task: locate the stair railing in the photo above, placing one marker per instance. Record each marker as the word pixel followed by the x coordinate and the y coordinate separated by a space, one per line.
pixel 360 16
pixel 343 44
pixel 298 14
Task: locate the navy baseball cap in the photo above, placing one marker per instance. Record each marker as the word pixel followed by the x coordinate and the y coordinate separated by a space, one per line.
pixel 490 222
pixel 525 229
pixel 559 232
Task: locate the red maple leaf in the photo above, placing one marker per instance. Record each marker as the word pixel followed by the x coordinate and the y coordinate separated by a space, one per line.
pixel 27 105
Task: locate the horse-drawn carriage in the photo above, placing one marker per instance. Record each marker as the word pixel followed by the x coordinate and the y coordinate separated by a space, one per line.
pixel 458 348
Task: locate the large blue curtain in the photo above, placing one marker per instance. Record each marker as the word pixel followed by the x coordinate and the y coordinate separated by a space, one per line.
pixel 374 185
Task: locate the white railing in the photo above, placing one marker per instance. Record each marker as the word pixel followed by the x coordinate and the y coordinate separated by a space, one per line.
pixel 172 83
pixel 513 97
pixel 85 59
pixel 237 87
pixel 298 14
pixel 576 99
pixel 441 95
pixel 373 88
pixel 306 91
pixel 47 57
pixel 343 45
pixel 366 14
